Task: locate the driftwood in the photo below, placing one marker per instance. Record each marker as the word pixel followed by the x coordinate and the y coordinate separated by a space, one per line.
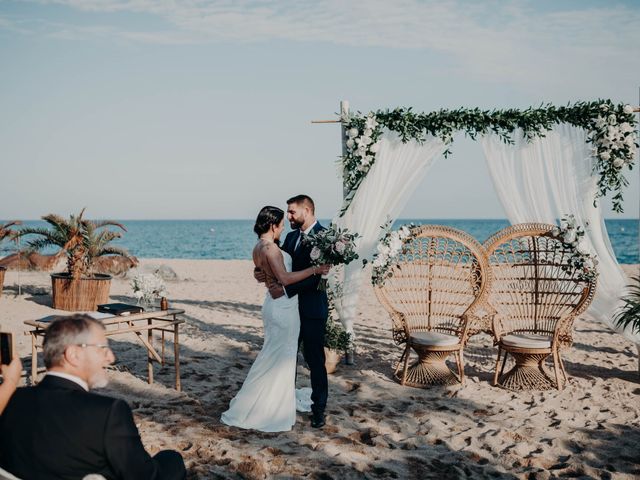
pixel 112 265
pixel 31 261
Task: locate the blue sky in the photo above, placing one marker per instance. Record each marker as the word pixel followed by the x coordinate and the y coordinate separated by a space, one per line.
pixel 202 109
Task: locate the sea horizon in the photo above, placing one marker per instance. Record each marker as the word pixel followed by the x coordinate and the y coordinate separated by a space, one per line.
pixel 233 239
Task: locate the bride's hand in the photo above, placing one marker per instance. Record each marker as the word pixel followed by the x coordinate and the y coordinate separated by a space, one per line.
pixel 323 269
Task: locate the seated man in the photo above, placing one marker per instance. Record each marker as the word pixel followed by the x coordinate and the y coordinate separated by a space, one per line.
pixel 59 430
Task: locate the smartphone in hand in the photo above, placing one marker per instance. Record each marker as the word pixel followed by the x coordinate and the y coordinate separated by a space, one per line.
pixel 6 348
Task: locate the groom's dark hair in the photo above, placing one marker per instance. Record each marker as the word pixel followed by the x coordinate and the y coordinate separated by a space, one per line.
pixel 303 200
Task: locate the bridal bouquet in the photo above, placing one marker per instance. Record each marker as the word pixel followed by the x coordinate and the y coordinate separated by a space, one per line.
pixel 148 287
pixel 332 246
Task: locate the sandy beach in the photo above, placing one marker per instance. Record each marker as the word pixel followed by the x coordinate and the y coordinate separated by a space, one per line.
pixel 375 427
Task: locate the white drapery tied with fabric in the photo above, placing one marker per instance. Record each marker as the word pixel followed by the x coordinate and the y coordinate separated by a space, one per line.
pixel 546 178
pixel 398 170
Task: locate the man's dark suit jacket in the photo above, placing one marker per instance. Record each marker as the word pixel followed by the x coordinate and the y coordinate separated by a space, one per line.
pixel 57 430
pixel 312 302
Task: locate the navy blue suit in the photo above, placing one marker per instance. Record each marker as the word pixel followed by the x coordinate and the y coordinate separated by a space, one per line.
pixel 314 308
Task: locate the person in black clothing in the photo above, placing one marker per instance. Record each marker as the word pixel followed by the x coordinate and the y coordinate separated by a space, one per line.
pixel 60 430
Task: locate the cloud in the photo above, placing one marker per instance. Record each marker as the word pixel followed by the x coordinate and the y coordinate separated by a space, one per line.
pixel 517 42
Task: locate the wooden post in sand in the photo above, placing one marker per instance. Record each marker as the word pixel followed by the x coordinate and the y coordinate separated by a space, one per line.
pixel 344 111
pixel 349 358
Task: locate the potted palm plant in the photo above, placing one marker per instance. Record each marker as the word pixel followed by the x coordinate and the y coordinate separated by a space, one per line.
pixel 6 233
pixel 82 241
pixel 629 315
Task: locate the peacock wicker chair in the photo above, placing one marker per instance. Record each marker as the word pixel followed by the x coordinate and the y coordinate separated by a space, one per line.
pixel 536 296
pixel 438 281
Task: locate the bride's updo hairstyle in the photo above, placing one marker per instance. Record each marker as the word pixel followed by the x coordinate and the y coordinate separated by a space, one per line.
pixel 268 216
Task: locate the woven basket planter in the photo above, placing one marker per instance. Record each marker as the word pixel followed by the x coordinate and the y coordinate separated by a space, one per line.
pixel 332 359
pixel 2 270
pixel 83 294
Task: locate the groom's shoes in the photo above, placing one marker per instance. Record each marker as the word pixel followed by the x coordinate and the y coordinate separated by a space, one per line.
pixel 317 420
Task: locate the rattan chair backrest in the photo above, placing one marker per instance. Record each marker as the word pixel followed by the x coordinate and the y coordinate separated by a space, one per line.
pixel 439 277
pixel 534 286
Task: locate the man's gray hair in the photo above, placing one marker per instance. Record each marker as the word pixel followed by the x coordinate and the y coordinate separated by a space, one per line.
pixel 63 332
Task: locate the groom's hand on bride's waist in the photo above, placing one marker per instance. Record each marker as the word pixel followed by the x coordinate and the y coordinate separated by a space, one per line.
pixel 259 275
pixel 276 290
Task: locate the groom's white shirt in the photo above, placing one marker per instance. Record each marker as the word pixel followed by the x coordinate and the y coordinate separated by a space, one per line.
pixel 306 232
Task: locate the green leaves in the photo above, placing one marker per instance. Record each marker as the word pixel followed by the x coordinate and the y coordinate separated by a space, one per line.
pixel 614 142
pixel 335 337
pixel 629 315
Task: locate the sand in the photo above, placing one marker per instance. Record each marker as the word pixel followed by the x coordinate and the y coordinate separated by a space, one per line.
pixel 375 427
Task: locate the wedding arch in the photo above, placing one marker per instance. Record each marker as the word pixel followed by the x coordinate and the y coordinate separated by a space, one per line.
pixel 545 163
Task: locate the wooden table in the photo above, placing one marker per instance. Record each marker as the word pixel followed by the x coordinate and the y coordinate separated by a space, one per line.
pixel 162 320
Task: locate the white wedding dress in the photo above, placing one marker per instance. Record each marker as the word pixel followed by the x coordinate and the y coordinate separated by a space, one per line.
pixel 268 398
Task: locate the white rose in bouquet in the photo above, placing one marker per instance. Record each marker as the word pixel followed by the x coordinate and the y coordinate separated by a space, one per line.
pixel 626 127
pixel 618 162
pixel 350 143
pixel 396 245
pixel 370 123
pixel 340 247
pixel 315 253
pixel 605 156
pixel 627 109
pixel 353 132
pixel 582 248
pixel 569 236
pixel 383 249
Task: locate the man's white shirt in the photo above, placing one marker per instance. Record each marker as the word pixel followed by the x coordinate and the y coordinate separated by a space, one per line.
pixel 306 232
pixel 72 378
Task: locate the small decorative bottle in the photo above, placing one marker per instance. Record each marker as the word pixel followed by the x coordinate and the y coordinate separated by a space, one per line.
pixel 164 305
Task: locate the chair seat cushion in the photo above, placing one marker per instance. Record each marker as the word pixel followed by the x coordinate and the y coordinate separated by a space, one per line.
pixel 526 340
pixel 434 339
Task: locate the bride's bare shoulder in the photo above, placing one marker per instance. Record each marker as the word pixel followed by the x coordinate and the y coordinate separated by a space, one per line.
pixel 272 250
pixel 266 249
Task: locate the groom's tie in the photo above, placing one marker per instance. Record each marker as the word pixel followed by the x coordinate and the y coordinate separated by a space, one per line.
pixel 299 241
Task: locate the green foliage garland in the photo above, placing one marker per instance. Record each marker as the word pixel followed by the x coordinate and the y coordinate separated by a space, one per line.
pixel 611 129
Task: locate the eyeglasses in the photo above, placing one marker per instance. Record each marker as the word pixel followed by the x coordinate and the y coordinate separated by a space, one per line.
pixel 102 346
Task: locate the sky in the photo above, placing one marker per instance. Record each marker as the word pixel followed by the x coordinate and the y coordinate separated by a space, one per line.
pixel 168 109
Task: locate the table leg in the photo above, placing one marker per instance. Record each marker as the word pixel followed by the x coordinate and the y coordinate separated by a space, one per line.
pixel 34 358
pixel 162 347
pixel 149 355
pixel 176 353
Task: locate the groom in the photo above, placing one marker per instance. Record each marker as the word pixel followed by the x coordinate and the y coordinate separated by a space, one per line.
pixel 312 303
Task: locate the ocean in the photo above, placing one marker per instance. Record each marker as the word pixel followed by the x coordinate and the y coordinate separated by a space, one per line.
pixel 234 239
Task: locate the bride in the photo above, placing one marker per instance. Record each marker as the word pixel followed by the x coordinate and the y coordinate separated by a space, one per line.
pixel 267 399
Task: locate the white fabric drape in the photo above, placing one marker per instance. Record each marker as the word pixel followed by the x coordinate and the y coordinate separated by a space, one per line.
pixel 396 173
pixel 547 178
